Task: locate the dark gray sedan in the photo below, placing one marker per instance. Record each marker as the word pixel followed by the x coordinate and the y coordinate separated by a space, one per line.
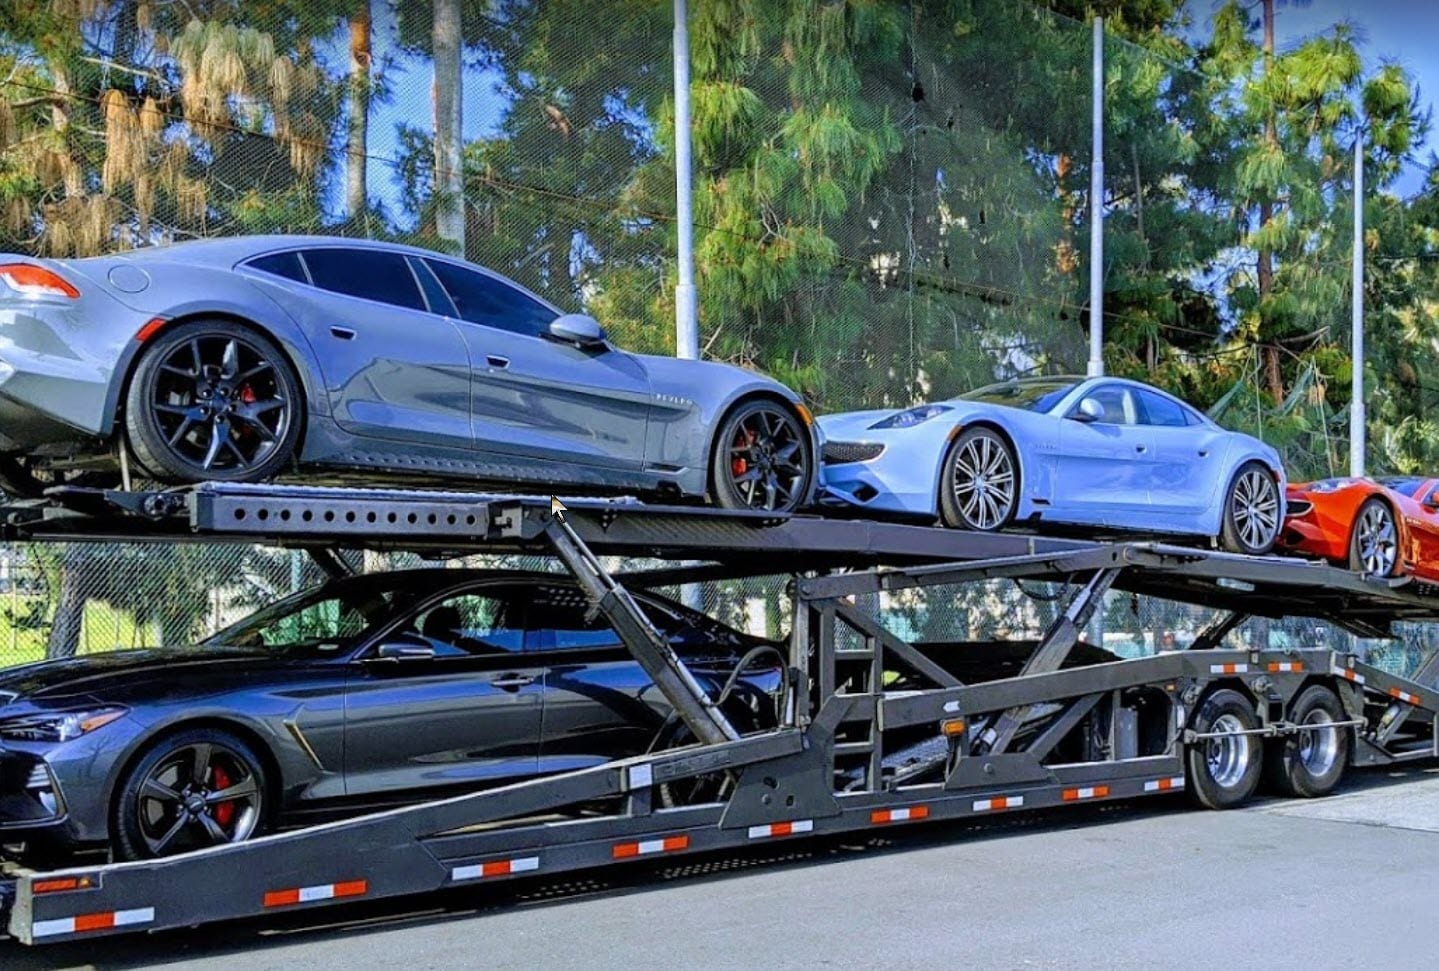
pixel 365 692
pixel 240 359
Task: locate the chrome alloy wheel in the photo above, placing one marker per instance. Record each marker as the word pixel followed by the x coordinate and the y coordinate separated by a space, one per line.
pixel 1377 540
pixel 1254 506
pixel 1319 747
pixel 984 482
pixel 1227 758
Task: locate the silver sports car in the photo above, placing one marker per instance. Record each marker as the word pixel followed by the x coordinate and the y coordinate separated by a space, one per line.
pixel 241 359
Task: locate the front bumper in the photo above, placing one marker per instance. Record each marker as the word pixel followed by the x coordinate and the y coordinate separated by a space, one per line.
pixel 32 806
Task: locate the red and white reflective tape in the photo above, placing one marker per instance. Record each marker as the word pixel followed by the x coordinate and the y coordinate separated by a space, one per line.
pixel 772 830
pixel 1349 674
pixel 496 868
pixel 1085 792
pixel 325 891
pixel 882 816
pixel 670 844
pixel 1405 696
pixel 1164 785
pixel 998 803
pixel 1228 669
pixel 93 922
pixel 1285 667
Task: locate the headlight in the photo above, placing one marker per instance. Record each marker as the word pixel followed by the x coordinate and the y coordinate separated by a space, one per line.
pixel 59 726
pixel 911 416
pixel 1330 485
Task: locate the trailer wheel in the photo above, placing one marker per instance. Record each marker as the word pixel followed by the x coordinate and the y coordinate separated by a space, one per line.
pixel 1224 772
pixel 1311 763
pixel 197 788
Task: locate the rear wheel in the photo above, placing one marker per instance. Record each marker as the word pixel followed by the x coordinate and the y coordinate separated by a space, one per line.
pixel 213 400
pixel 762 459
pixel 979 483
pixel 1251 511
pixel 1311 763
pixel 1374 543
pixel 194 789
pixel 1224 771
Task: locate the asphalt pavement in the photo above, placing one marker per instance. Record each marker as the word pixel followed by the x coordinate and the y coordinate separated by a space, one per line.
pixel 1344 882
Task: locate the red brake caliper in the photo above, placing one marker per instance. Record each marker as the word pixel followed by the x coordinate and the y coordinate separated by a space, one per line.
pixel 741 466
pixel 225 811
pixel 248 396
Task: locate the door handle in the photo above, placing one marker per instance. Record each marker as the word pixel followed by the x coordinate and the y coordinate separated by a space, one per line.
pixel 494 360
pixel 343 333
pixel 512 682
pixel 1204 453
pixel 1141 448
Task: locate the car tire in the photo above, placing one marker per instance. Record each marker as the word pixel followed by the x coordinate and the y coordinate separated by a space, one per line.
pixel 1253 511
pixel 1374 540
pixel 1222 773
pixel 763 459
pixel 1310 764
pixel 192 766
pixel 213 400
pixel 979 482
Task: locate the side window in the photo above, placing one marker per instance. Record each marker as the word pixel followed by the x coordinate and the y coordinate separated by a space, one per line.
pixel 558 622
pixel 286 265
pixel 482 299
pixel 371 274
pixel 470 624
pixel 1118 404
pixel 1159 410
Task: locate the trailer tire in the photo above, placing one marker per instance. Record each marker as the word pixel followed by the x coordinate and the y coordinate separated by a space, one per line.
pixel 1224 772
pixel 1310 764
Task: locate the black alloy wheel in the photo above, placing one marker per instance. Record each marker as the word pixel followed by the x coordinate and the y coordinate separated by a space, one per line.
pixel 762 459
pixel 196 789
pixel 213 400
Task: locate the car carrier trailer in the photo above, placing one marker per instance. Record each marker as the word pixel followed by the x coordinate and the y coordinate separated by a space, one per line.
pixel 874 731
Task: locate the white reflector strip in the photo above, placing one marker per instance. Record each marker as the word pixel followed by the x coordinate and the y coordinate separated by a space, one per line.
pixel 92 922
pixel 998 803
pixel 781 829
pixel 1349 674
pixel 1164 785
pixel 1228 669
pixel 496 868
pixel 1405 696
pixel 880 817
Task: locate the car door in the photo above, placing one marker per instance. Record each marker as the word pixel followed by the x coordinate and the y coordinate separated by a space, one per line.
pixel 599 703
pixel 1103 465
pixel 1187 457
pixel 540 399
pixel 1423 525
pixel 467 715
pixel 392 370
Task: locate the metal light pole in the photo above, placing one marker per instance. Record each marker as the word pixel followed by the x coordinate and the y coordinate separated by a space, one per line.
pixel 1096 206
pixel 1356 402
pixel 687 335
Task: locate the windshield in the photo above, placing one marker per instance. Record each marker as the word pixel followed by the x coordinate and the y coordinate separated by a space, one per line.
pixel 325 619
pixel 1405 484
pixel 1036 394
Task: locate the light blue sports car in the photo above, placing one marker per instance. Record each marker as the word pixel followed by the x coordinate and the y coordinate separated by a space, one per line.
pixel 1102 452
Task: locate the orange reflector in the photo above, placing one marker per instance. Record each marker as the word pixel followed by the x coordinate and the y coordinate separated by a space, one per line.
pixel 148 331
pixel 805 414
pixel 36 281
pixel 61 885
pixel 952 727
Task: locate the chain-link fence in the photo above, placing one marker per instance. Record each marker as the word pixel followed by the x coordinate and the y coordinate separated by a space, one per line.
pixel 892 204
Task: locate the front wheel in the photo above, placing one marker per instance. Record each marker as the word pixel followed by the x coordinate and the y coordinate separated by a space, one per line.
pixel 195 789
pixel 1374 544
pixel 1223 771
pixel 762 459
pixel 213 400
pixel 1252 511
pixel 979 483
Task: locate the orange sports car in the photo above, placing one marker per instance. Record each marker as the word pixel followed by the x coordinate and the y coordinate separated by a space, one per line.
pixel 1382 527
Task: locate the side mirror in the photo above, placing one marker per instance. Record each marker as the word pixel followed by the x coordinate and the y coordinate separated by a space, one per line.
pixel 401 651
pixel 1088 410
pixel 1432 500
pixel 580 330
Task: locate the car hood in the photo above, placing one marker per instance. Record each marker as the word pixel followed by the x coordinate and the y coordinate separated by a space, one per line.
pixel 119 675
pixel 852 425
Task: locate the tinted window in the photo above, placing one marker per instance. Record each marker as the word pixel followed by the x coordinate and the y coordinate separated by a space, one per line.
pixel 557 621
pixel 472 624
pixel 1406 485
pixel 1033 395
pixel 330 617
pixel 482 299
pixel 434 293
pixel 371 274
pixel 286 265
pixel 1159 410
pixel 1117 404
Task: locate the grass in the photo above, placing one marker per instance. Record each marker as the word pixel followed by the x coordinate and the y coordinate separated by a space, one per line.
pixel 24 629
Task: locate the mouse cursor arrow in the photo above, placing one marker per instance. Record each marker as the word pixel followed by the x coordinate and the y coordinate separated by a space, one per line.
pixel 557 508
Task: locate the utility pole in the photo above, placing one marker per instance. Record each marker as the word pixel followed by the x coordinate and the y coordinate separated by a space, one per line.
pixel 1356 353
pixel 1096 205
pixel 687 334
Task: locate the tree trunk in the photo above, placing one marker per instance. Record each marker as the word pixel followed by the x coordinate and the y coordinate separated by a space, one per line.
pixel 449 186
pixel 64 640
pixel 358 134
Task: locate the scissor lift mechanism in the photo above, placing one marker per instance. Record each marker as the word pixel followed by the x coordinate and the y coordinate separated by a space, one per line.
pixel 879 734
